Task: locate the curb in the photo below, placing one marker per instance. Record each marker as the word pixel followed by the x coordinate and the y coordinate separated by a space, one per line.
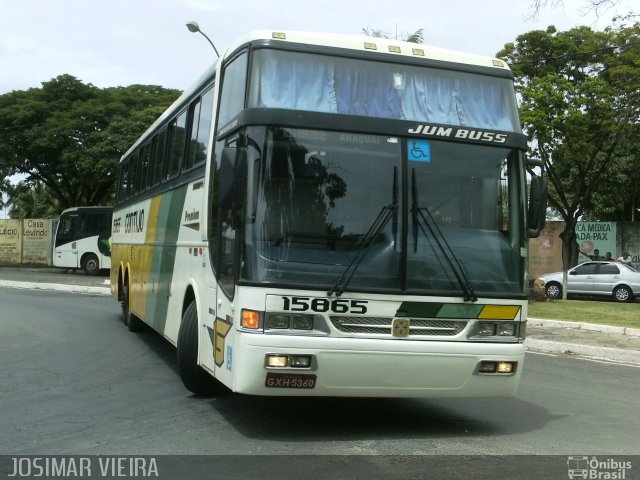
pixel 597 353
pixel 541 322
pixel 57 287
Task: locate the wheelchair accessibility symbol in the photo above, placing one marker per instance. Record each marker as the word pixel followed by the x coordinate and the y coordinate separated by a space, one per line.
pixel 419 150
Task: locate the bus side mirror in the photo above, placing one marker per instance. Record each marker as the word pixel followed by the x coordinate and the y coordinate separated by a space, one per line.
pixel 231 178
pixel 537 206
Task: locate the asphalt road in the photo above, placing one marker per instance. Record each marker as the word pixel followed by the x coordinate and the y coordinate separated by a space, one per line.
pixel 76 381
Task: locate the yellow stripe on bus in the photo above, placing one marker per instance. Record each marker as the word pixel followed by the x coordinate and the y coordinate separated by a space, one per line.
pixel 499 312
pixel 142 260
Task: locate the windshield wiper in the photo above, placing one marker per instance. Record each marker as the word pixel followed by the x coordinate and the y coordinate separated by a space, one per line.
pixel 418 213
pixel 385 214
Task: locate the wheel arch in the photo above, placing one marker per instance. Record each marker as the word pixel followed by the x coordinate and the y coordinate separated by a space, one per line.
pixel 123 278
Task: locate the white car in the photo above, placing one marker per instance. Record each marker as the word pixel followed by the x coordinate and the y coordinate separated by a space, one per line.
pixel 596 278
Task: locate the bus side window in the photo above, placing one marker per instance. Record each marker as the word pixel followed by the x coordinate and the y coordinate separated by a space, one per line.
pixel 145 154
pixel 123 181
pixel 158 155
pixel 194 118
pixel 233 90
pixel 200 123
pixel 133 175
pixel 177 137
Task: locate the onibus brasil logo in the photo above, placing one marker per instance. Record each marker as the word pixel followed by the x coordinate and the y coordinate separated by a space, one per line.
pixel 594 468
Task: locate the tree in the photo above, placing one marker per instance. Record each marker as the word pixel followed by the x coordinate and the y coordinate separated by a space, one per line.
pixel 579 108
pixel 31 202
pixel 415 37
pixel 597 6
pixel 67 137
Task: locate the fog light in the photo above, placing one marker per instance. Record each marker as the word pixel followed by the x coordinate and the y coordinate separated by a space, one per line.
pixel 486 329
pixel 278 321
pixel 506 367
pixel 302 322
pixel 496 367
pixel 277 361
pixel 507 329
pixel 487 367
pixel 250 319
pixel 299 361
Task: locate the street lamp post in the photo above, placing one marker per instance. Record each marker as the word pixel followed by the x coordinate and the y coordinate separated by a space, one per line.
pixel 194 27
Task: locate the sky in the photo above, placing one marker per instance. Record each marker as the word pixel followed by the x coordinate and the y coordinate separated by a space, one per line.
pixel 125 42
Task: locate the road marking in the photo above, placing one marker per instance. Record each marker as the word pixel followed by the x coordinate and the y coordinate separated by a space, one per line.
pixel 609 362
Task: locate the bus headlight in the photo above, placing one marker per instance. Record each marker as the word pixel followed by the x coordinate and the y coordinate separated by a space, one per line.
pixel 487 329
pixel 286 321
pixel 277 321
pixel 506 329
pixel 302 322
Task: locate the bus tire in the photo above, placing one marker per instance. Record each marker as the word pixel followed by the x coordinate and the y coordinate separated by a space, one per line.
pixel 133 323
pixel 192 375
pixel 91 265
pixel 124 303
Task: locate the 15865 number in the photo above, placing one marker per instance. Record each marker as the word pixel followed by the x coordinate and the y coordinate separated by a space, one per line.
pixel 320 305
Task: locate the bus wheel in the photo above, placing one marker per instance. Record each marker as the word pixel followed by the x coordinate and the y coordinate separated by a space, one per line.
pixel 91 265
pixel 130 320
pixel 124 303
pixel 192 375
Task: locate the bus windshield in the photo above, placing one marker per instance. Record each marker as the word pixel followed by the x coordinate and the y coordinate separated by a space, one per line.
pixel 316 196
pixel 349 86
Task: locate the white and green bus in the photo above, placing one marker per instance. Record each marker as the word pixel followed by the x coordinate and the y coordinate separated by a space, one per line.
pixel 82 239
pixel 325 215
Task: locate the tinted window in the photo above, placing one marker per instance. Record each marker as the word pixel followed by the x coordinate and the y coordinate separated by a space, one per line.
pixel 609 269
pixel 94 223
pixel 159 156
pixel 134 163
pixel 194 115
pixel 177 138
pixel 145 155
pixel 204 128
pixel 233 90
pixel 124 181
pixel 586 269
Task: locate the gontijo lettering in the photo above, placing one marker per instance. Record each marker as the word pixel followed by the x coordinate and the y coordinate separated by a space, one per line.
pixel 134 222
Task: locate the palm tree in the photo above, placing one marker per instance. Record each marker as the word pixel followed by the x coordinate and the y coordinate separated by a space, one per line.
pixel 415 37
pixel 31 201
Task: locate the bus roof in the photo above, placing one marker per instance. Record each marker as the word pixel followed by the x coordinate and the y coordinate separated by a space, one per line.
pixel 81 209
pixel 371 45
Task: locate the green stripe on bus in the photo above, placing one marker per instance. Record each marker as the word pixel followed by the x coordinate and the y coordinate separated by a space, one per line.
pixel 169 217
pixel 455 310
pixel 418 309
pixel 438 310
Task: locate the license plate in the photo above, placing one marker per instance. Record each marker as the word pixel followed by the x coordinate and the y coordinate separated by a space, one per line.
pixel 290 380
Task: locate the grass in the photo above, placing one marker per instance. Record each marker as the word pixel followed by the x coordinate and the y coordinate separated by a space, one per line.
pixel 600 312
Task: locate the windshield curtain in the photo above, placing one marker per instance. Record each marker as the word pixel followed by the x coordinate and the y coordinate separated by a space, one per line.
pixel 321 83
pixel 315 196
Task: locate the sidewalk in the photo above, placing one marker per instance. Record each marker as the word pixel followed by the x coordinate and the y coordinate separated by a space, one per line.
pixel 600 342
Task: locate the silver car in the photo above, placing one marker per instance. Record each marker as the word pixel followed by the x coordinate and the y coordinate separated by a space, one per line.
pixel 596 278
